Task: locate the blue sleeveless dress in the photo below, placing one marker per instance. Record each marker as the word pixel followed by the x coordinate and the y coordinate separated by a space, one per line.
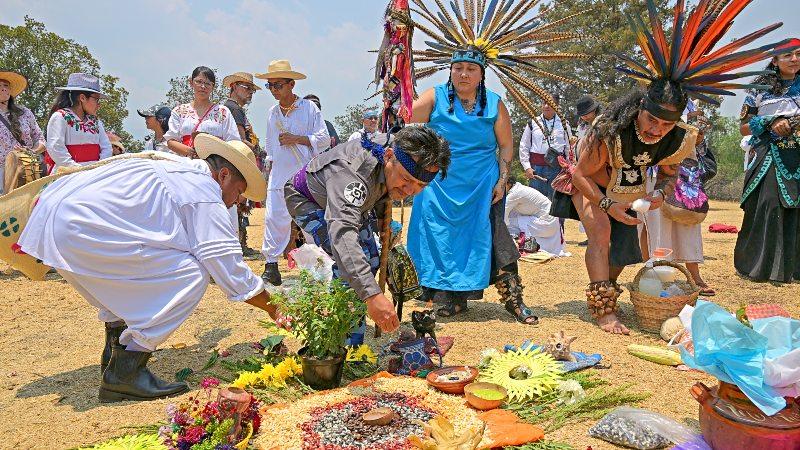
pixel 450 234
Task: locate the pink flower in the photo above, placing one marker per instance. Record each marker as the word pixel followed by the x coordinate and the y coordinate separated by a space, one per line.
pixel 209 382
pixel 193 435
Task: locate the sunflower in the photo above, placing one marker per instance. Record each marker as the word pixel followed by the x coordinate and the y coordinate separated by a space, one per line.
pixel 525 373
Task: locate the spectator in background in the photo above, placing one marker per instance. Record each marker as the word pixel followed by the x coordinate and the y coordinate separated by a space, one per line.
pixel 528 211
pixel 369 118
pixel 18 127
pixel 331 130
pixel 534 144
pixel 156 118
pixel 587 109
pixel 75 136
pixel 117 147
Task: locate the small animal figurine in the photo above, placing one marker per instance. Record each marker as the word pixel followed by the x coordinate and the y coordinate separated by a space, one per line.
pixel 558 346
pixel 424 322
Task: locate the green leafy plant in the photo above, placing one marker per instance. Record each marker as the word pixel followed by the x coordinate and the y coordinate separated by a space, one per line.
pixel 320 315
pixel 543 445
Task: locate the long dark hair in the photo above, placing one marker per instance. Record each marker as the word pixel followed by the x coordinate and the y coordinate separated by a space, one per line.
pixel 451 95
pixel 67 99
pixel 14 114
pixel 205 71
pixel 772 79
pixel 624 109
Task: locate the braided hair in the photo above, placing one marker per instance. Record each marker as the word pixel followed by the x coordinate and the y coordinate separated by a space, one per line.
pixel 451 95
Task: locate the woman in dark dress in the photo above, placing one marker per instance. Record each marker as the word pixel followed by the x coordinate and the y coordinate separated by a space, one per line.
pixel 768 247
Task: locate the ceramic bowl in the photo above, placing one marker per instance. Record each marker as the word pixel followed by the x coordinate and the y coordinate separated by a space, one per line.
pixel 451 387
pixel 482 403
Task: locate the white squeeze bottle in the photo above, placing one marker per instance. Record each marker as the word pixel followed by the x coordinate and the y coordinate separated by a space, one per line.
pixel 650 283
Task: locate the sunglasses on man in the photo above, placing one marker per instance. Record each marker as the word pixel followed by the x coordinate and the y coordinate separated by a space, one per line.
pixel 276 85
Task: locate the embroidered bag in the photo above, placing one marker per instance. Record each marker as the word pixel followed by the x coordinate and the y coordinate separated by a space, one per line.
pixel 688 205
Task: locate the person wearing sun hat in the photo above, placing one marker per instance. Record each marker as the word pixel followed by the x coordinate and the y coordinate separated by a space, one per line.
pixel 146 272
pixel 75 135
pixel 296 132
pixel 18 127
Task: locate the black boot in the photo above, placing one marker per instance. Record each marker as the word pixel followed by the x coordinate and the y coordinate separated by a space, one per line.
pixel 510 289
pixel 113 331
pixel 271 274
pixel 128 378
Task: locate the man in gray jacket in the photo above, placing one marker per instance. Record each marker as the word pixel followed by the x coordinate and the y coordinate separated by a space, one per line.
pixel 331 197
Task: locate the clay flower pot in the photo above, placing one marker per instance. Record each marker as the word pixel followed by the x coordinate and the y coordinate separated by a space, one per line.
pixel 322 374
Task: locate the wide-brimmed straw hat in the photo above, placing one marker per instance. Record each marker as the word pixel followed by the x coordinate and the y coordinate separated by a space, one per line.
pixel 17 83
pixel 238 154
pixel 239 77
pixel 83 82
pixel 280 68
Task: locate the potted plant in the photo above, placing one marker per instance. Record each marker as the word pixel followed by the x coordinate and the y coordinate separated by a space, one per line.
pixel 321 315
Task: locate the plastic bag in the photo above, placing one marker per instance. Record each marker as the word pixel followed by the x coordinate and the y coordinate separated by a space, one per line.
pixel 313 259
pixel 640 429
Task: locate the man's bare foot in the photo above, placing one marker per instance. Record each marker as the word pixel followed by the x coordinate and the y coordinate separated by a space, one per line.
pixel 611 324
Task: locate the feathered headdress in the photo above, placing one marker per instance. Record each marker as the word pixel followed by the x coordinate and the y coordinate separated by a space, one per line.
pixel 687 59
pixel 500 35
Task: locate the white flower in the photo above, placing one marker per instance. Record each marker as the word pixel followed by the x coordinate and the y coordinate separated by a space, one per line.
pixel 570 391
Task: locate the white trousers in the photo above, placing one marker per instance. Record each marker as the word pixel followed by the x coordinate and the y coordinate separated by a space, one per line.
pixel 546 230
pixel 277 226
pixel 152 308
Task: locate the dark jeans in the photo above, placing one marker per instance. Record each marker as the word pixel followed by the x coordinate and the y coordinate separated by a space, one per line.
pixel 545 187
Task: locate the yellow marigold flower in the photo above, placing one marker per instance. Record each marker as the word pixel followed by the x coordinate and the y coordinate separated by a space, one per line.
pixel 294 365
pixel 246 379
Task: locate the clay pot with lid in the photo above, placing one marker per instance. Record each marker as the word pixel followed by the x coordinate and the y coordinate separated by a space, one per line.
pixel 730 421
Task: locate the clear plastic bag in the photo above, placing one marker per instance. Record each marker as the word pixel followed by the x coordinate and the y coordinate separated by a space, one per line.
pixel 313 259
pixel 641 429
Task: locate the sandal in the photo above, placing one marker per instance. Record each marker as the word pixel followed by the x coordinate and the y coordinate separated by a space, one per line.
pixel 707 291
pixel 511 296
pixel 452 308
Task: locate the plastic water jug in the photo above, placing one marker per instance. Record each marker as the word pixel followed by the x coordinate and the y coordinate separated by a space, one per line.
pixel 650 283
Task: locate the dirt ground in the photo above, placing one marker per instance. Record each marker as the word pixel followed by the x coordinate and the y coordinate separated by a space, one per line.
pixel 50 343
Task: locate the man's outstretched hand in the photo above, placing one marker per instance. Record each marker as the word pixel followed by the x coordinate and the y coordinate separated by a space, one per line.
pixel 381 310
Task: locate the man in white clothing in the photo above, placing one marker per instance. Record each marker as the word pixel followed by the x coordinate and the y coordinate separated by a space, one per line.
pixel 528 211
pixel 296 132
pixel 369 118
pixel 139 239
pixel 536 139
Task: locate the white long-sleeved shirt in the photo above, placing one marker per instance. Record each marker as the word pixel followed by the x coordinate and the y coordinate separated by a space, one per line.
pixel 534 139
pixel 66 128
pixel 357 135
pixel 217 122
pixel 304 120
pixel 139 218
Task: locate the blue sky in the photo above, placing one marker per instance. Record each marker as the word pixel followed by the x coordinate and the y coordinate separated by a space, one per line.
pixel 147 42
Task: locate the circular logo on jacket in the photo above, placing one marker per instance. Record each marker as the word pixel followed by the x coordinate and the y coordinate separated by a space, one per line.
pixel 355 193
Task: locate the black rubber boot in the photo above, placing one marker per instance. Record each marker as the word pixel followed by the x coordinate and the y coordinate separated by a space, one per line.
pixel 271 274
pixel 113 332
pixel 128 378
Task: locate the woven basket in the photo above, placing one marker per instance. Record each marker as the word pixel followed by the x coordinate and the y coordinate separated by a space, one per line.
pixel 653 311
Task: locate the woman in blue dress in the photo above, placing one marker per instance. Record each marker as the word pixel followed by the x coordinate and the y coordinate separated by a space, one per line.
pixel 457 237
pixel 768 247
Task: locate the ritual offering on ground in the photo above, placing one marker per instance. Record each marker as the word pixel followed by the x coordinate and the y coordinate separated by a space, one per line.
pixel 452 379
pixel 485 396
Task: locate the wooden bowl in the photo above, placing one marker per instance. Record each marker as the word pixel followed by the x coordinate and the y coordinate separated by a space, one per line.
pixel 451 387
pixel 482 403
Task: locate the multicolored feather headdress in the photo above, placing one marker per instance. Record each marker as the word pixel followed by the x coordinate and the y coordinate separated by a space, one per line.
pixel 687 59
pixel 501 35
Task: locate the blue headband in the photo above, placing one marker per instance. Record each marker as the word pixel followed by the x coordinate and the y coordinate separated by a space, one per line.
pixel 472 55
pixel 405 159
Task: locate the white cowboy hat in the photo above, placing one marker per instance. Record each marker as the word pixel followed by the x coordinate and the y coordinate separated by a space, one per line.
pixel 239 77
pixel 238 154
pixel 16 82
pixel 280 68
pixel 84 82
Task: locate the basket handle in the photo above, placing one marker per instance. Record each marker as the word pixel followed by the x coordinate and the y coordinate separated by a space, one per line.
pixel 662 262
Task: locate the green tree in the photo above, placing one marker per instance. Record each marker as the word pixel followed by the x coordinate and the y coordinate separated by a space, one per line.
pixel 180 92
pixel 350 122
pixel 724 141
pixel 46 59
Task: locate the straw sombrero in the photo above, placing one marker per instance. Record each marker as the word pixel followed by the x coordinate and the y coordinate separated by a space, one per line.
pixel 17 83
pixel 280 68
pixel 238 154
pixel 239 77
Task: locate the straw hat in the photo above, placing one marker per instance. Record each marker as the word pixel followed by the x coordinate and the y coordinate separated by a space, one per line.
pixel 280 68
pixel 17 83
pixel 238 154
pixel 239 77
pixel 115 140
